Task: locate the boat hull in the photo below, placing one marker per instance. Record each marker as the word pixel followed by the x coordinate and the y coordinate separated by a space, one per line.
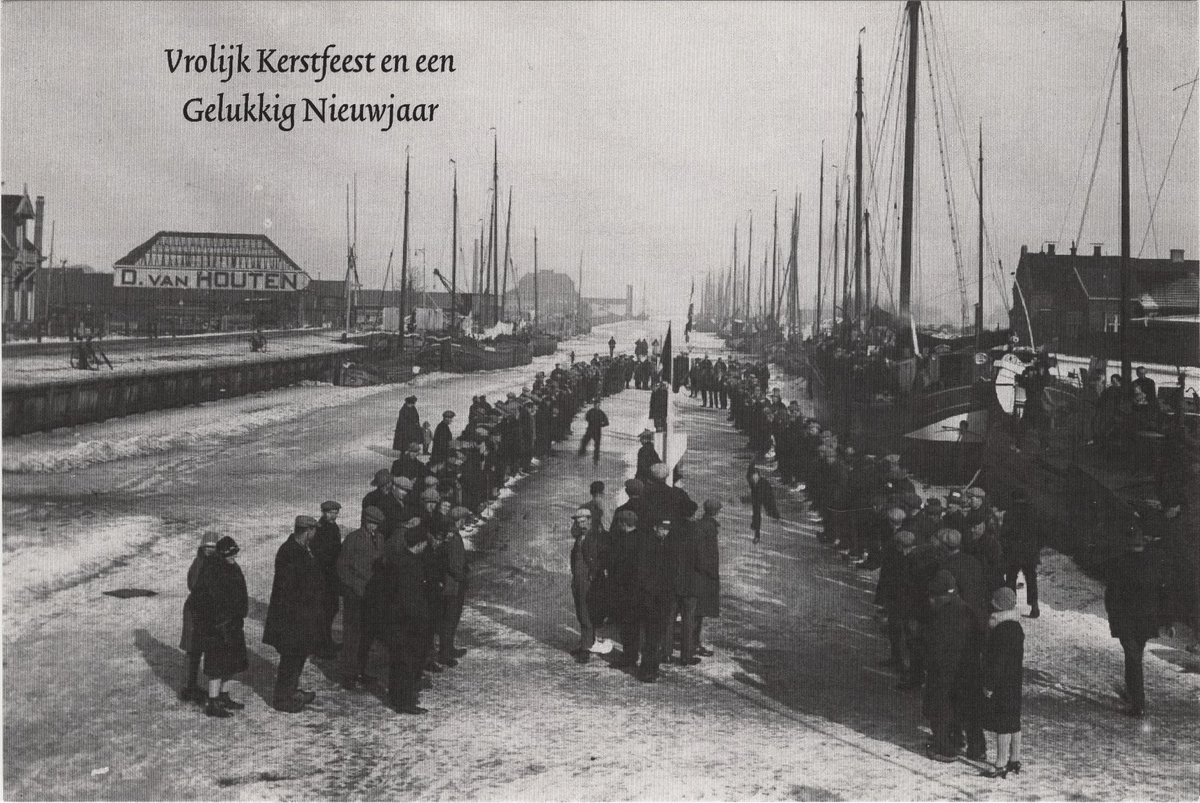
pixel 465 357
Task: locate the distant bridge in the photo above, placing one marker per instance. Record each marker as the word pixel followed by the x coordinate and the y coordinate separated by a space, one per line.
pixel 612 306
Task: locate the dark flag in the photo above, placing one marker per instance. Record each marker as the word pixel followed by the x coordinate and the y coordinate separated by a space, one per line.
pixel 666 356
pixel 687 330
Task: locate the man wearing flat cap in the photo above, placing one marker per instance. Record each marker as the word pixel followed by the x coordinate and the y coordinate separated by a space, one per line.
pixel 396 601
pixel 1133 593
pixel 948 628
pixel 360 550
pixel 326 545
pixel 408 426
pixel 708 566
pixel 294 616
pixel 387 498
pixel 654 599
pixel 409 464
pixel 442 436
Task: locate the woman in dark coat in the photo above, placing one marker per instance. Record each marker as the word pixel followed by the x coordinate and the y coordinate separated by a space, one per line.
pixel 761 497
pixel 191 692
pixel 220 605
pixel 408 426
pixel 1003 656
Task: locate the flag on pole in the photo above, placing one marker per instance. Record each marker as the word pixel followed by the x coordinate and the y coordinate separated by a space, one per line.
pixel 687 330
pixel 666 356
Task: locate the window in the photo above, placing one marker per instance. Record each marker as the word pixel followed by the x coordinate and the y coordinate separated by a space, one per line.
pixel 1112 322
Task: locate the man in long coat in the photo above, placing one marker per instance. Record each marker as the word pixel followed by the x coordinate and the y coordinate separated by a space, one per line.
pixel 442 438
pixel 326 545
pixel 408 426
pixel 396 600
pixel 654 598
pixel 647 455
pixel 360 550
pixel 1020 537
pixel 586 564
pixel 1132 593
pixel 949 626
pixel 683 551
pixel 294 618
pixel 708 566
pixel 658 406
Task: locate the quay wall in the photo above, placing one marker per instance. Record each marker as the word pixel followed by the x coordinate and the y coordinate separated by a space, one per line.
pixel 42 406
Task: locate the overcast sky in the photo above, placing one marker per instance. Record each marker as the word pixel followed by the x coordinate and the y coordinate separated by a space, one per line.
pixel 636 134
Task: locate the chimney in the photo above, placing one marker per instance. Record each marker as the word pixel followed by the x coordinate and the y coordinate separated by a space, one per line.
pixel 1073 248
pixel 1096 249
pixel 1024 250
pixel 1050 249
pixel 1176 254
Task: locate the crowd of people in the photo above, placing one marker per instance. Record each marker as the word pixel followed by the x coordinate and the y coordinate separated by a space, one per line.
pixel 401 577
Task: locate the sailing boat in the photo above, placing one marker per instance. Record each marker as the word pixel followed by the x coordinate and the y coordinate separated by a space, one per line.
pixel 931 402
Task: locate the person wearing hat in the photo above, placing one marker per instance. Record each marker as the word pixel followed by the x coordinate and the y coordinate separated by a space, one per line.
pixel 360 550
pixel 386 497
pixel 395 600
pixel 1133 591
pixel 972 589
pixel 654 599
pixel 947 631
pixel 326 545
pixel 708 566
pixel 597 420
pixel 221 604
pixel 454 586
pixel 762 497
pixel 660 499
pixel 409 464
pixel 587 562
pixel 191 691
pixel 408 426
pixel 900 543
pixel 647 455
pixel 442 437
pixel 621 564
pixel 633 492
pixel 1003 662
pixel 1021 541
pixel 429 505
pixel 294 618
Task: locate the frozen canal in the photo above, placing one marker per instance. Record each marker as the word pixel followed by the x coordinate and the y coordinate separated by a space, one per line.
pixel 793 705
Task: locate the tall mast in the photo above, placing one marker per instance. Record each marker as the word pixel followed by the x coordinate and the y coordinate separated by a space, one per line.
pixel 454 257
pixel 734 282
pixel 858 208
pixel 507 230
pixel 837 213
pixel 349 259
pixel 820 239
pixel 763 308
pixel 794 294
pixel 1126 379
pixel 579 298
pixel 495 233
pixel 535 282
pixel 979 301
pixel 774 264
pixel 486 266
pixel 404 259
pixel 867 248
pixel 846 272
pixel 749 248
pixel 906 218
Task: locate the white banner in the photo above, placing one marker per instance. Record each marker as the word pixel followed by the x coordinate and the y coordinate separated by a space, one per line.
pixel 209 279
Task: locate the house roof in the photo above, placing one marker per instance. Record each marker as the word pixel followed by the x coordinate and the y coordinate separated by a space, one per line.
pixel 135 256
pixel 1158 284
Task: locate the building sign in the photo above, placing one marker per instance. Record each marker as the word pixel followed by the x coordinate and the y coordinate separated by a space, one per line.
pixel 209 261
pixel 209 279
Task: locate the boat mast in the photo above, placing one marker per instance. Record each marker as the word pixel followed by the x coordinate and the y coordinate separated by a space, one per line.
pixel 846 320
pixel 858 209
pixel 535 282
pixel 454 256
pixel 1126 379
pixel 579 298
pixel 979 301
pixel 507 231
pixel 749 249
pixel 867 249
pixel 349 260
pixel 906 218
pixel 495 232
pixel 404 259
pixel 837 213
pixel 820 239
pixel 794 294
pixel 775 267
pixel 734 283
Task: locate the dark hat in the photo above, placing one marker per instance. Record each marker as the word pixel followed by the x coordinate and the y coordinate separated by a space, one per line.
pixel 634 487
pixel 209 538
pixel 933 502
pixel 414 535
pixel 227 547
pixel 647 435
pixel 330 505
pixel 950 538
pixel 410 399
pixel 306 522
pixel 1019 497
pixel 904 538
pixel 382 477
pixel 597 487
pixel 627 518
pixel 459 513
pixel 373 515
pixel 414 446
pixel 942 583
pixel 976 492
pixel 711 507
pixel 448 414
pixel 430 495
pixel 1005 599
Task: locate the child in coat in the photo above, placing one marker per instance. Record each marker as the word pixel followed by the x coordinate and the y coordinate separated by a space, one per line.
pixel 1003 659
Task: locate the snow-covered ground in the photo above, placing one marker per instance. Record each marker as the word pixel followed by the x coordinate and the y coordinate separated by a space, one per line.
pixel 793 705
